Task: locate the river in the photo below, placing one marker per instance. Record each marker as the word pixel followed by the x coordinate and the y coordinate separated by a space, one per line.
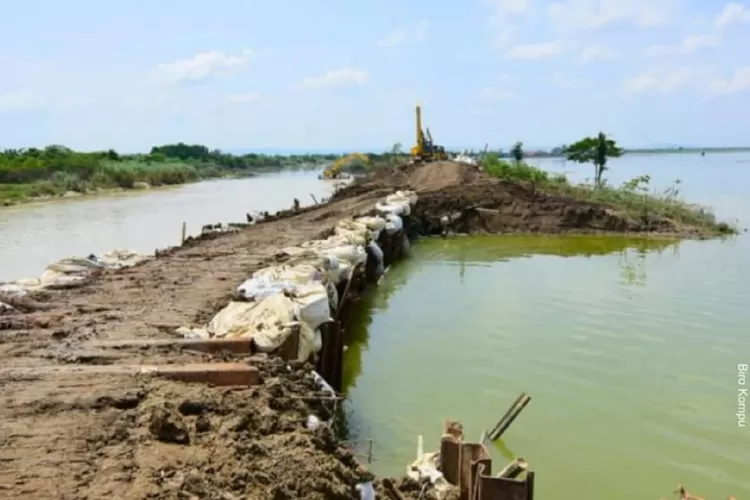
pixel 34 235
pixel 629 349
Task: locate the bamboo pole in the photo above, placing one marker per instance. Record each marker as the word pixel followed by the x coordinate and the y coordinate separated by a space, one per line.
pixel 513 412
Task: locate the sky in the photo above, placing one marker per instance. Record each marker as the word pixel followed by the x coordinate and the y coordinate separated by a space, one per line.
pixel 346 75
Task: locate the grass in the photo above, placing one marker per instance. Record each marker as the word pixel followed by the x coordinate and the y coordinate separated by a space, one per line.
pixel 635 198
pixel 108 175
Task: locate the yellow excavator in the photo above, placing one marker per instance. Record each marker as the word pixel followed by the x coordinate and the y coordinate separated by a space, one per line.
pixel 426 150
pixel 334 169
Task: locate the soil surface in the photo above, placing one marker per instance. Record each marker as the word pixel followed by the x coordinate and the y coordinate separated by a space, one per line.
pixel 90 435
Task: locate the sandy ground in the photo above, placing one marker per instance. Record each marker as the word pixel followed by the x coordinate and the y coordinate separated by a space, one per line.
pixel 92 436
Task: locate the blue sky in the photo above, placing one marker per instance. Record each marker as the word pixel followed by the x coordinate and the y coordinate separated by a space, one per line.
pixel 344 74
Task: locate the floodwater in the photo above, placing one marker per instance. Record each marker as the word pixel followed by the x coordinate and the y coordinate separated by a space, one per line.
pixel 35 235
pixel 629 349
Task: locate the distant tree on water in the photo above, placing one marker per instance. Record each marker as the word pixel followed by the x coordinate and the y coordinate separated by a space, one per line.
pixel 516 152
pixel 596 150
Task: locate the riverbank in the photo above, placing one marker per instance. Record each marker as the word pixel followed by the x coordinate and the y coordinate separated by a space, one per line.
pixel 57 171
pixel 100 435
pixel 462 198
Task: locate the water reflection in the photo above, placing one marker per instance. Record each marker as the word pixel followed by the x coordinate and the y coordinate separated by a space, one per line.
pixel 482 252
pixel 623 343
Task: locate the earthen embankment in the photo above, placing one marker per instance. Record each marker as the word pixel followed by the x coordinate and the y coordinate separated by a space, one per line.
pixel 73 430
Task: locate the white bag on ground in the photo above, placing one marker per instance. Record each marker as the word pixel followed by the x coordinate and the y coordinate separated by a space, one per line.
pixel 377 254
pixel 393 208
pixel 255 289
pixel 268 322
pixel 314 308
pixel 394 223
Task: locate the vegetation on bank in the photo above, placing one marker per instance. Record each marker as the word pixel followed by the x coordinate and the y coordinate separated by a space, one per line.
pixel 56 170
pixel 635 197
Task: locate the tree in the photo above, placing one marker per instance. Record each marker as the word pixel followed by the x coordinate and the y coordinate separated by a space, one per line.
pixel 517 152
pixel 596 150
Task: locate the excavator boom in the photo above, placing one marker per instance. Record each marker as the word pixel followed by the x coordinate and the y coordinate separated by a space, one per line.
pixel 425 148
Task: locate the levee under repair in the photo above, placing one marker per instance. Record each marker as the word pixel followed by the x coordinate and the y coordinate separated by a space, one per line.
pixel 152 378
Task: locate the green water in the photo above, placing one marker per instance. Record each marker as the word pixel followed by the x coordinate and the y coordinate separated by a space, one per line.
pixel 629 349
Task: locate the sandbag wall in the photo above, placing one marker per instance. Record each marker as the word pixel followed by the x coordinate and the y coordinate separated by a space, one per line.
pixel 292 308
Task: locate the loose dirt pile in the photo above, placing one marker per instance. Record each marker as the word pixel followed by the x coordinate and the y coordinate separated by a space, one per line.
pixel 442 175
pixel 152 439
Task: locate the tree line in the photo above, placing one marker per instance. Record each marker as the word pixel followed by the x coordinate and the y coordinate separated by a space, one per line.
pixel 56 169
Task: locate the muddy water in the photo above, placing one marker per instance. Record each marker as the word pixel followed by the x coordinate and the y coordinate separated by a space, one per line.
pixel 32 236
pixel 629 349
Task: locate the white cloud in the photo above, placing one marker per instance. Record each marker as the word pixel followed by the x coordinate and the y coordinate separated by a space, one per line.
pixel 17 101
pixel 536 50
pixel 405 33
pixel 336 78
pixel 733 13
pixel 593 14
pixel 567 83
pixel 502 17
pixel 688 45
pixel 739 82
pixel 245 98
pixel 665 80
pixel 206 65
pixel 596 53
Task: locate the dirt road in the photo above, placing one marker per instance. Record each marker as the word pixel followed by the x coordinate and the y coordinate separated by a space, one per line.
pixel 96 436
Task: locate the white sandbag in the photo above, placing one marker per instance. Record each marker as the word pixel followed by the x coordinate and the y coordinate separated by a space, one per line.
pixel 316 257
pixel 318 343
pixel 352 237
pixel 352 254
pixel 120 258
pixel 18 289
pixel 400 208
pixel 74 265
pixel 372 223
pixel 333 294
pixel 376 251
pixel 5 307
pixel 366 491
pixel 377 254
pixel 394 223
pixel 268 322
pixel 409 196
pixel 255 289
pixel 52 278
pixel 314 308
pixel 298 274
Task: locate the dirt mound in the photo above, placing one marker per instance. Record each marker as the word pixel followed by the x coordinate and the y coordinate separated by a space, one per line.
pixel 441 175
pixel 496 206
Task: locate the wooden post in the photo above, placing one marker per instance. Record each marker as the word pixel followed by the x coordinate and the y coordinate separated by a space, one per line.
pixel 184 233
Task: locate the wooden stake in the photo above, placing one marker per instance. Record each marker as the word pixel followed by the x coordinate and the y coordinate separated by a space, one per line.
pixel 184 233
